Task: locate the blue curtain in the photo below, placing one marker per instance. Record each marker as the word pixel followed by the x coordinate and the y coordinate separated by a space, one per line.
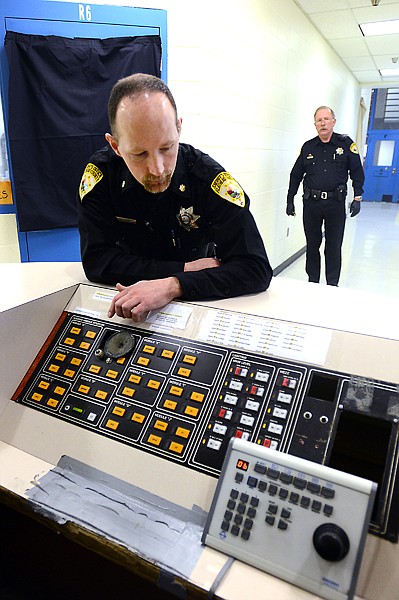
pixel 57 96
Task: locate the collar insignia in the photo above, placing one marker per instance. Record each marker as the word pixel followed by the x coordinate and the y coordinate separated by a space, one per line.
pixel 187 218
pixel 182 187
pixel 339 151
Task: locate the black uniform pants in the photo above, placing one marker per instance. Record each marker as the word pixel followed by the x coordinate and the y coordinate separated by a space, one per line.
pixel 333 213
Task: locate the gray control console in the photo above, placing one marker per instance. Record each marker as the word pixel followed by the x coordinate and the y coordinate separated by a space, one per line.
pixel 303 522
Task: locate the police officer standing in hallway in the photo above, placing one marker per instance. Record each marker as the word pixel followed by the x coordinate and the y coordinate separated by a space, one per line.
pixel 160 219
pixel 324 164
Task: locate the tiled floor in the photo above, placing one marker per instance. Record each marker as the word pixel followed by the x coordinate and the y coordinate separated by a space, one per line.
pixel 370 252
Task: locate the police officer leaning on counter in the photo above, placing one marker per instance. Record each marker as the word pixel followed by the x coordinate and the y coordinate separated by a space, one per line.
pixel 160 219
pixel 324 164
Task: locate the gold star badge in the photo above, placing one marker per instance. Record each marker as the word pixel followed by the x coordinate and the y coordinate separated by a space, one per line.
pixel 187 218
pixel 182 187
pixel 339 151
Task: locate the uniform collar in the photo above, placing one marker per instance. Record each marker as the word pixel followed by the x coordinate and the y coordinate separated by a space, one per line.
pixel 332 140
pixel 180 183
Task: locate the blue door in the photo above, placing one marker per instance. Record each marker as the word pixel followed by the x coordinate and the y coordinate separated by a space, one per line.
pixel 42 17
pixel 380 167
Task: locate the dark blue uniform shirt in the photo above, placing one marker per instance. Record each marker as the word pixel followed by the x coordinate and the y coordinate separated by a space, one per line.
pixel 325 166
pixel 128 234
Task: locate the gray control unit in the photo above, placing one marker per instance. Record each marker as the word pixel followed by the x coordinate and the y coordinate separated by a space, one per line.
pixel 303 522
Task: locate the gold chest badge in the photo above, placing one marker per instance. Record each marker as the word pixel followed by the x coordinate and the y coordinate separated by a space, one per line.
pixel 187 218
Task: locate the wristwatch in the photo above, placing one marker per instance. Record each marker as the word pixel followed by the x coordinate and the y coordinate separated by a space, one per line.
pixel 358 198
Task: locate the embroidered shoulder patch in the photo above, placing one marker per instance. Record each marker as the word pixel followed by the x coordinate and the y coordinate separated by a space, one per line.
pixel 227 187
pixel 353 148
pixel 90 177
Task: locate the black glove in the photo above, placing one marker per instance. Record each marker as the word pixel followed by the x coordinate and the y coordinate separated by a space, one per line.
pixel 354 208
pixel 290 210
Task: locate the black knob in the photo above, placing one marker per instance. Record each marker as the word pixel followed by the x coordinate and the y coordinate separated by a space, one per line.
pixel 331 542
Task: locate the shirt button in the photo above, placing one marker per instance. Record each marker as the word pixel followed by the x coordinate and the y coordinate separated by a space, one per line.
pixel 192 293
pixel 227 291
pixel 193 249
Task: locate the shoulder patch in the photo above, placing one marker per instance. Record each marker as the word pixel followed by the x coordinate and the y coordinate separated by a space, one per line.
pixel 91 176
pixel 225 186
pixel 353 148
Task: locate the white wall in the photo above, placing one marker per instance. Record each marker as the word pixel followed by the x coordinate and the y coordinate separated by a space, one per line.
pixel 247 76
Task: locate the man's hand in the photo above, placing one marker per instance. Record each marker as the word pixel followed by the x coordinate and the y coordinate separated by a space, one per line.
pixel 290 210
pixel 202 263
pixel 135 301
pixel 354 207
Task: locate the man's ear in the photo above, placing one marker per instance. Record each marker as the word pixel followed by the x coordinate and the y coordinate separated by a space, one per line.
pixel 179 122
pixel 113 143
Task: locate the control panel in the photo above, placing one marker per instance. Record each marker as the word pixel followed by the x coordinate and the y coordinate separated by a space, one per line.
pixel 303 522
pixel 184 399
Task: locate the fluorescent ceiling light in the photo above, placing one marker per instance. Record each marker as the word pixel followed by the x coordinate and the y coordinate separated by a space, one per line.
pixel 380 27
pixel 389 73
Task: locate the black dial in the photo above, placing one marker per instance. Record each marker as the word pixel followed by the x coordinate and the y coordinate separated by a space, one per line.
pixel 331 542
pixel 119 344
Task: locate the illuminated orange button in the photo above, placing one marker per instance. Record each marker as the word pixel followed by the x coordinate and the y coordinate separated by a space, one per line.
pixel 149 349
pixel 171 404
pixel 190 360
pixel 94 369
pixel 37 396
pixel 101 394
pixel 182 432
pixel 175 390
pixel 121 360
pixel 138 417
pixel 167 354
pixel 197 397
pixel 119 411
pixel 178 448
pixel 190 410
pixel 162 425
pixel 91 334
pixel 154 439
pixel 44 385
pixel 111 374
pixel 127 391
pixel 153 384
pixel 76 361
pixel 69 341
pixel 112 424
pixel 59 356
pixel 84 345
pixel 76 330
pixel 183 372
pixel 59 390
pixel 143 361
pixel 69 373
pixel 135 378
pixel 52 402
pixel 84 389
pixel 54 368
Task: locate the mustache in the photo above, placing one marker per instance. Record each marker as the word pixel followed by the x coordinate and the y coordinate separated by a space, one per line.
pixel 151 179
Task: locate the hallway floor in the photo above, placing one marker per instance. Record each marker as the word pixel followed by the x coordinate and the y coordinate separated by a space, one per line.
pixel 370 251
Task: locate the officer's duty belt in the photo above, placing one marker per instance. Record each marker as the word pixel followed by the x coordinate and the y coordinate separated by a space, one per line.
pixel 319 195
